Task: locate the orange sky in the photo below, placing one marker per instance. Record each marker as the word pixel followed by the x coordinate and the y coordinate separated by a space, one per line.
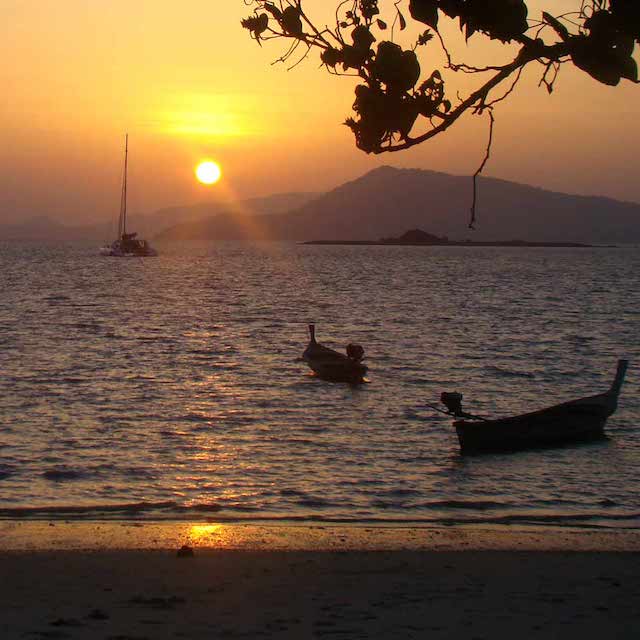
pixel 186 82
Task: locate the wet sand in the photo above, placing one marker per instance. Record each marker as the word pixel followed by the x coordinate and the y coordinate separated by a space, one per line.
pixel 126 582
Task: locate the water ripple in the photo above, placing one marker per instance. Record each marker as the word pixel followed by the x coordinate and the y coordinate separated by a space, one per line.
pixel 172 388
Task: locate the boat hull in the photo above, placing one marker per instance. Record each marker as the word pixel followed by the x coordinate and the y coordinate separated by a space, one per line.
pixel 332 365
pixel 338 371
pixel 139 249
pixel 578 420
pixel 563 424
pixel 110 253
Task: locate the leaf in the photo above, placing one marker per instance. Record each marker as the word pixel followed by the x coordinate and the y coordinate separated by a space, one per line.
pixel 627 15
pixel 353 57
pixel 629 70
pixel 369 8
pixel 499 19
pixel 598 63
pixel 256 24
pixel 273 10
pixel 403 22
pixel 362 38
pixel 451 8
pixel 425 11
pixel 381 24
pixel 606 52
pixel 470 30
pixel 425 38
pixel 291 21
pixel 331 56
pixel 397 69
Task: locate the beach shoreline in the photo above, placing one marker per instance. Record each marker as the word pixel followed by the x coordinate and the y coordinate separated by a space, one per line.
pixel 31 535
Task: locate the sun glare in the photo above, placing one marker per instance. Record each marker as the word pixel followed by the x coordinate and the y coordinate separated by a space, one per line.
pixel 208 172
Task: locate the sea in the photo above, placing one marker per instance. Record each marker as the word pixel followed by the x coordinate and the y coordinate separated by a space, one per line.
pixel 171 388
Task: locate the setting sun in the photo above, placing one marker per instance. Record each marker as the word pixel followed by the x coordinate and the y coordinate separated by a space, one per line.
pixel 208 172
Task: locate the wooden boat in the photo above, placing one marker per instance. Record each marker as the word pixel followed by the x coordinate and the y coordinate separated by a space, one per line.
pixel 332 365
pixel 574 421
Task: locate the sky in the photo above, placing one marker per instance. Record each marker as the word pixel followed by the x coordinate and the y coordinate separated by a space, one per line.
pixel 187 83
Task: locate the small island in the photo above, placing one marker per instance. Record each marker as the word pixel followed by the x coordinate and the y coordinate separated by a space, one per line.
pixel 418 237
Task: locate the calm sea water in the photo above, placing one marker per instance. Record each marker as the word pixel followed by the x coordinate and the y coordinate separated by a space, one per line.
pixel 170 388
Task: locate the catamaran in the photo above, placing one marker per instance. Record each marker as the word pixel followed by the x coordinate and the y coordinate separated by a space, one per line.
pixel 127 245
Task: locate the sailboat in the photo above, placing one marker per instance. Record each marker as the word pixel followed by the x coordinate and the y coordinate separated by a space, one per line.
pixel 127 245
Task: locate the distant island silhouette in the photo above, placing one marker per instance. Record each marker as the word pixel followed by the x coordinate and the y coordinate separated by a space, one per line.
pixel 387 201
pixel 418 237
pixel 378 205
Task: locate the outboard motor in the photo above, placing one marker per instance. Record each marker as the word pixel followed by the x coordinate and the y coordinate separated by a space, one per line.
pixel 355 352
pixel 453 402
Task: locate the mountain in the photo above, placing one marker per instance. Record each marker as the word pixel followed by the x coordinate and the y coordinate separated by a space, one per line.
pixel 388 201
pixel 384 202
pixel 42 229
pixel 156 222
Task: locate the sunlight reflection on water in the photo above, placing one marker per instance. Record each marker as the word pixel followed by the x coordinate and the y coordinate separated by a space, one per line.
pixel 173 384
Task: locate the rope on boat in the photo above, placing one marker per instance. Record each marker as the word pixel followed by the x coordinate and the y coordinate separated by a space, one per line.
pixel 453 415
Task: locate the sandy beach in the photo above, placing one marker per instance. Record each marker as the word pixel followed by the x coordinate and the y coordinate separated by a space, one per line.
pixel 126 582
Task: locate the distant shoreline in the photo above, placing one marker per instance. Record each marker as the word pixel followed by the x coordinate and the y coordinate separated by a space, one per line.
pixel 505 243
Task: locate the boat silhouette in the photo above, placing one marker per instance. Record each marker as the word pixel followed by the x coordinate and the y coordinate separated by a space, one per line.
pixel 332 365
pixel 127 245
pixel 577 420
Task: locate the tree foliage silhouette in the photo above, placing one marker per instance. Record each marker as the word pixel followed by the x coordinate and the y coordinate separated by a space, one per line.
pixel 397 104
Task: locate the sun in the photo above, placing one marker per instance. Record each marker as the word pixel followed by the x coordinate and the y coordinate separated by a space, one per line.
pixel 208 172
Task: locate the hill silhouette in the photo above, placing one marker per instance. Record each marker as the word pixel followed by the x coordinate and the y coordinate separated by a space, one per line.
pixel 383 203
pixel 42 229
pixel 388 201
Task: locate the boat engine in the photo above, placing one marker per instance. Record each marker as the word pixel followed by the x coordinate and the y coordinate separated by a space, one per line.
pixel 453 402
pixel 355 352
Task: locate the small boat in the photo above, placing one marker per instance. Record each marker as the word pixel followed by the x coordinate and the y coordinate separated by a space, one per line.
pixel 574 421
pixel 332 365
pixel 128 245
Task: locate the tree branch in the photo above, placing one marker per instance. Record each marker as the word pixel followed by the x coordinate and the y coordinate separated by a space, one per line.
pixel 526 55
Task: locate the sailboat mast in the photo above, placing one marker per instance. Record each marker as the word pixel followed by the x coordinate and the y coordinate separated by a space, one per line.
pixel 122 219
pixel 124 185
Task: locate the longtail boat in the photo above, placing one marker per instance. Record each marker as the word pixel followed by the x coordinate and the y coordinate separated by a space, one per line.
pixel 574 421
pixel 332 365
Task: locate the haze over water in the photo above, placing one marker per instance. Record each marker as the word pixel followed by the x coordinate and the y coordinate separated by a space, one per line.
pixel 170 388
